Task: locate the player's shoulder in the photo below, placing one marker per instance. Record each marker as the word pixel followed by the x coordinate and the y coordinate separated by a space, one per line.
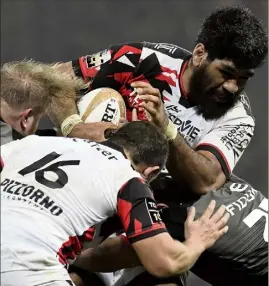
pixel 124 48
pixel 236 185
pixel 245 105
pixel 19 143
pixel 239 114
pixel 171 50
pixel 168 49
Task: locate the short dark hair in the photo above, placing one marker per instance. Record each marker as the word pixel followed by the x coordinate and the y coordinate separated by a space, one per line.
pixel 145 142
pixel 235 34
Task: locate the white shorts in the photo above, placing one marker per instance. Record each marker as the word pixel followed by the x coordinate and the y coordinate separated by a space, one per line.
pixel 15 271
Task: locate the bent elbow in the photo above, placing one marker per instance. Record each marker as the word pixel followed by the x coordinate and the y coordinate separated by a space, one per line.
pixel 214 182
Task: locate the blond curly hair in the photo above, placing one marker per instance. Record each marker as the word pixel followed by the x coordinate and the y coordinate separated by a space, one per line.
pixel 32 84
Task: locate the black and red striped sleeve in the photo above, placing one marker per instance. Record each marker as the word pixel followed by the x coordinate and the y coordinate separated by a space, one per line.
pixel 116 67
pixel 111 67
pixel 138 211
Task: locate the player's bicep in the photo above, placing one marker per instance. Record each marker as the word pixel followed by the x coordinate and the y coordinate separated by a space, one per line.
pixel 138 211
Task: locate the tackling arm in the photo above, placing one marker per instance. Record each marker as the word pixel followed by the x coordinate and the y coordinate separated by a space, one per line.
pixel 117 253
pixel 113 254
pixel 199 169
pixel 217 153
pixel 103 69
pixel 209 165
pixel 158 252
pixel 206 167
pixel 62 106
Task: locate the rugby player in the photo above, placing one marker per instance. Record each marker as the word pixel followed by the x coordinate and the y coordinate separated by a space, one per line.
pixel 239 258
pixel 27 88
pixel 203 93
pixel 54 190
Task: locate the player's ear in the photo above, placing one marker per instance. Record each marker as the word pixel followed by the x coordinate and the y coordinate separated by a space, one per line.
pixel 150 173
pixel 27 121
pixel 199 54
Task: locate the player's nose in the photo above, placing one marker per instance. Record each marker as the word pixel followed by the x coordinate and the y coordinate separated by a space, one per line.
pixel 231 86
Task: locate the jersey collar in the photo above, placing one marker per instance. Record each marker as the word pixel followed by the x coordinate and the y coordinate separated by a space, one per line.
pixel 182 70
pixel 114 146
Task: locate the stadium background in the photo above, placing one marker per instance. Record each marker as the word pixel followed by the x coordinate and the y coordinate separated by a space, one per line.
pixel 62 30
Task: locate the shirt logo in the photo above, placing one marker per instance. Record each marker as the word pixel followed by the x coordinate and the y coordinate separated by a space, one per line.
pixel 98 58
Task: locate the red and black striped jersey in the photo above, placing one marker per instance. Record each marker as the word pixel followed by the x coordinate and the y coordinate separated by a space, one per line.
pixel 162 65
pixel 71 187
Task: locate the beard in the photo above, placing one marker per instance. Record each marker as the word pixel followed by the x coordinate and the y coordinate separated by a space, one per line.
pixel 202 97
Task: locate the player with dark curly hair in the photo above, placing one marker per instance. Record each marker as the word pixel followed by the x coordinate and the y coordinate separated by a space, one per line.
pixel 197 99
pixel 203 93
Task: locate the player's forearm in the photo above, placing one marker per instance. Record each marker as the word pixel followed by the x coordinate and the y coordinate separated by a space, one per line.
pixel 113 254
pixel 165 257
pixel 199 172
pixel 188 258
pixel 62 104
pixel 61 107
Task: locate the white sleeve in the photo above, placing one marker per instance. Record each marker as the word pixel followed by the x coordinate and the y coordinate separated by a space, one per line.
pixel 230 136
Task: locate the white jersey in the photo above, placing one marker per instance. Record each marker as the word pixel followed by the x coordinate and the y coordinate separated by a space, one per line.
pixel 54 191
pixel 163 65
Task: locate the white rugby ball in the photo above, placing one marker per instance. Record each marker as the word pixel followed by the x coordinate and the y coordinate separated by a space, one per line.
pixel 102 105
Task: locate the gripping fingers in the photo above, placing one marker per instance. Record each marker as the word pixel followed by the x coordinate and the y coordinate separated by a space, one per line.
pixel 222 231
pixel 209 211
pixel 223 221
pixel 138 84
pixel 150 98
pixel 134 115
pixel 149 108
pixel 191 216
pixel 218 214
pixel 148 90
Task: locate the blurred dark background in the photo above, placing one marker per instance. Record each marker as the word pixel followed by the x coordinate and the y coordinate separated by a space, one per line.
pixel 62 30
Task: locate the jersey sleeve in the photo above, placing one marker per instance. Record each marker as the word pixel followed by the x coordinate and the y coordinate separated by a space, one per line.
pixel 138 211
pixel 116 67
pixel 112 67
pixel 230 137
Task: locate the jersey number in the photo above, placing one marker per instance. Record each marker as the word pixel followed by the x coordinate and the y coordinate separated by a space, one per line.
pixel 256 215
pixel 55 168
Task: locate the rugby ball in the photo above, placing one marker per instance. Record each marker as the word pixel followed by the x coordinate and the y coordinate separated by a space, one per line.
pixel 102 105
